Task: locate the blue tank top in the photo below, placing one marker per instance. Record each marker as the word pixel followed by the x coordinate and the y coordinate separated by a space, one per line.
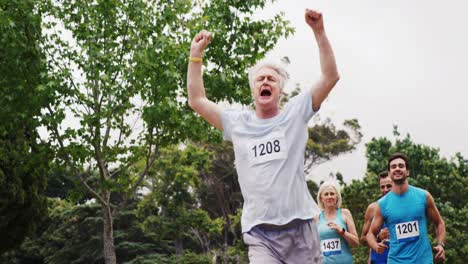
pixel 405 217
pixel 376 258
pixel 334 247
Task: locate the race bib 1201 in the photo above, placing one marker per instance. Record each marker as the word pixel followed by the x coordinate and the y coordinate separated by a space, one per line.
pixel 407 231
pixel 270 147
pixel 331 246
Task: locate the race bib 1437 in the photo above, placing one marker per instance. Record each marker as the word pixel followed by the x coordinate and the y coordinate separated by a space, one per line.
pixel 331 246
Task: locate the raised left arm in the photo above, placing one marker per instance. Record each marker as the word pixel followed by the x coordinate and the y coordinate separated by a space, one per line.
pixel 434 215
pixel 329 76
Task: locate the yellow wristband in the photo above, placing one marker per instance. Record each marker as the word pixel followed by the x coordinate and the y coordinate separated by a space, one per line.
pixel 195 59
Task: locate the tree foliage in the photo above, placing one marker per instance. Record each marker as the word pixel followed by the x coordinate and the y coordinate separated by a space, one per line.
pixel 326 142
pixel 172 205
pixel 24 159
pixel 73 234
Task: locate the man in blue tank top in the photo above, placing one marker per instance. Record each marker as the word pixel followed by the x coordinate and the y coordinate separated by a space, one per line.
pixel 385 184
pixel 405 211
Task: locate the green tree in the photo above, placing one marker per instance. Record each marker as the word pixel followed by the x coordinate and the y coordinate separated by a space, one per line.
pixel 117 72
pixel 175 187
pixel 220 193
pixel 428 170
pixel 326 142
pixel 24 158
pixel 73 234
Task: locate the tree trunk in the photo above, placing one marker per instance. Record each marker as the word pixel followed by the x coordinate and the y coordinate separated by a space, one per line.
pixel 225 244
pixel 179 247
pixel 108 233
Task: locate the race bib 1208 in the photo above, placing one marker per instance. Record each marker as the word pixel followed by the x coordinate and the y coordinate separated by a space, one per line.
pixel 407 231
pixel 331 246
pixel 270 147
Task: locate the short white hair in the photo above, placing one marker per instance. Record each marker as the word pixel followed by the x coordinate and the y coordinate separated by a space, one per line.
pixel 322 188
pixel 284 75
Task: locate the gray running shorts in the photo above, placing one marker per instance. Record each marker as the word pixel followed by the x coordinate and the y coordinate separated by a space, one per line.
pixel 296 242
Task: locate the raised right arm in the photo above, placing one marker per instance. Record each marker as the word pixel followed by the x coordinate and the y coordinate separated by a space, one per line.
pixel 329 76
pixel 197 99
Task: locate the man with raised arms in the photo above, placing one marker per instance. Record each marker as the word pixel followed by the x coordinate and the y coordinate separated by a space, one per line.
pixel 269 145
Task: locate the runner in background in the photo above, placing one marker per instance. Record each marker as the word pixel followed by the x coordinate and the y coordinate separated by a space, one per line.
pixel 385 184
pixel 335 226
pixel 405 211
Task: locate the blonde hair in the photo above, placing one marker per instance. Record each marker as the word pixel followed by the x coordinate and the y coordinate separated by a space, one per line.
pixel 284 75
pixel 322 188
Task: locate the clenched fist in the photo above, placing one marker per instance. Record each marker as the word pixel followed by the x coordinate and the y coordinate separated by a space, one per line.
pixel 199 43
pixel 314 19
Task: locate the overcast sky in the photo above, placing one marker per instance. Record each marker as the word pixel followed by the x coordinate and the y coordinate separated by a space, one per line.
pixel 401 62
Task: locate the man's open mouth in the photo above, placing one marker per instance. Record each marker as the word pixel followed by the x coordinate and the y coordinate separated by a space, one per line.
pixel 265 92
